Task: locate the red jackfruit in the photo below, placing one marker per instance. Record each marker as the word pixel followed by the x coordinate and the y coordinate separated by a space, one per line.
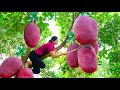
pixel 71 57
pixel 32 34
pixel 25 73
pixel 10 67
pixel 96 46
pixel 87 58
pixel 85 30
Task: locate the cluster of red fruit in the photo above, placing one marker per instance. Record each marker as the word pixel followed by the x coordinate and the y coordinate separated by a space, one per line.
pixel 86 34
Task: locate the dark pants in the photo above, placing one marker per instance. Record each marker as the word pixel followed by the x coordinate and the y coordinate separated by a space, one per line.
pixel 36 62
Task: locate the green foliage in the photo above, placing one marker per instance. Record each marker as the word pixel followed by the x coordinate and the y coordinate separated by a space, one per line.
pixel 12 26
pixel 20 51
pixel 33 15
pixel 71 37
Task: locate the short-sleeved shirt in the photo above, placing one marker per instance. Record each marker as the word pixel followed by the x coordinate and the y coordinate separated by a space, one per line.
pixel 45 48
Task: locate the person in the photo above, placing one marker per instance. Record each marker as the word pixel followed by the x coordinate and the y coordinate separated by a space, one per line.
pixel 35 55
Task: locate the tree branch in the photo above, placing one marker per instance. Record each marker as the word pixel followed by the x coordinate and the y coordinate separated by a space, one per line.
pixel 24 58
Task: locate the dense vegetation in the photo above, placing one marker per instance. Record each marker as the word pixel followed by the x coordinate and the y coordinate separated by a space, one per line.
pixel 12 43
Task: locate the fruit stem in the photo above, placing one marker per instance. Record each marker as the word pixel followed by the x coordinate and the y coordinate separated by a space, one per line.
pixel 33 21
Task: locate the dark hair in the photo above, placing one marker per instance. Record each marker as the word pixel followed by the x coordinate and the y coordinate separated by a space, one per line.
pixel 53 38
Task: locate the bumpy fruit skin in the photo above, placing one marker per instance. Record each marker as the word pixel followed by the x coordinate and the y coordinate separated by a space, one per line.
pixel 25 73
pixel 85 30
pixel 32 34
pixel 10 67
pixel 71 58
pixel 96 46
pixel 87 58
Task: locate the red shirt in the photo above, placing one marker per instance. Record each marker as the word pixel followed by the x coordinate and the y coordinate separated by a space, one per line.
pixel 45 48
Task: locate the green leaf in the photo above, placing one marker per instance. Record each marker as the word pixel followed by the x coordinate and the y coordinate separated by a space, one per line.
pixel 17 54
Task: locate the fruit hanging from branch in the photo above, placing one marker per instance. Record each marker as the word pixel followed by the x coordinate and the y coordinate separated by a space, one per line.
pixel 10 67
pixel 25 73
pixel 32 34
pixel 87 58
pixel 85 30
pixel 72 58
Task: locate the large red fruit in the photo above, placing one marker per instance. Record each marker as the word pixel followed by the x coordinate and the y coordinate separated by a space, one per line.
pixel 25 73
pixel 71 58
pixel 10 67
pixel 32 34
pixel 96 46
pixel 87 58
pixel 85 30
